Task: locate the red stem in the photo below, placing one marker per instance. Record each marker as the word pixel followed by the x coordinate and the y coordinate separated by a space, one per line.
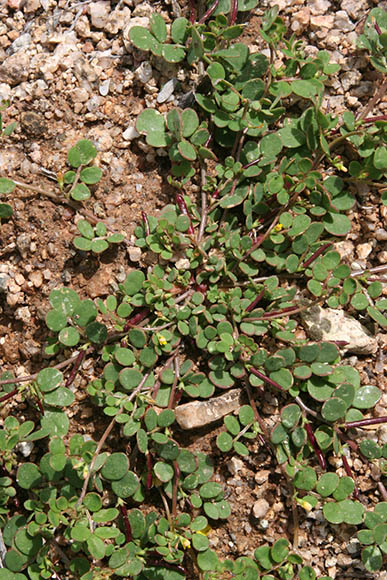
pixel 267 380
pixel 255 302
pixel 184 210
pixel 316 255
pixel 348 471
pixel 209 12
pixel 136 319
pixel 192 11
pixel 146 223
pixel 364 422
pixel 128 529
pixel 76 366
pixel 234 12
pixel 8 396
pixel 377 28
pixel 316 448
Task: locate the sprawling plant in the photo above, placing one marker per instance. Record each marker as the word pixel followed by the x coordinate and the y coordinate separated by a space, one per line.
pixel 231 273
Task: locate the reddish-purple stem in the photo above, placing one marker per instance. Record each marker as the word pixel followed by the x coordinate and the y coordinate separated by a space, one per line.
pixel 209 12
pixel 364 422
pixel 216 193
pixel 77 364
pixel 164 564
pixel 39 403
pixel 184 210
pixel 348 471
pixel 234 12
pixel 314 256
pixel 8 396
pixel 146 223
pixel 278 312
pixel 148 484
pixel 255 301
pixel 377 28
pixel 136 319
pixel 374 119
pixel 266 379
pixel 192 11
pixel 128 529
pixel 316 448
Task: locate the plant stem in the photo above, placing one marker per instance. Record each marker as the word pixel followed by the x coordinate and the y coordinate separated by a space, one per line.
pixel 315 445
pixel 348 471
pixel 128 529
pixel 204 204
pixel 253 304
pixel 267 379
pixel 76 367
pixel 364 422
pixel 209 12
pixel 316 254
pixel 175 486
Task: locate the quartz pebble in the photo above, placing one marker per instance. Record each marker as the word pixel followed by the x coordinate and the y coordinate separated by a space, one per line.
pixel 167 91
pixel 234 465
pixel 260 508
pixel 200 413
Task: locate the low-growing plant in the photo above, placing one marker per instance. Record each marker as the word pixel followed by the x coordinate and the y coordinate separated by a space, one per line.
pixel 232 274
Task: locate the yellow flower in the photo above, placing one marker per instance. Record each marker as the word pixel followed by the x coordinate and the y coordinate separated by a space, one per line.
pixel 278 227
pixel 185 543
pixel 305 504
pixel 162 340
pixel 205 531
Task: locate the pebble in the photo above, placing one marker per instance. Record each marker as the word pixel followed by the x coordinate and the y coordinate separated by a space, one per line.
pixel 319 7
pixel 364 250
pixel 36 278
pixel 262 476
pixel 4 280
pixel 381 235
pixel 333 324
pixel 25 448
pixel 144 72
pixel 199 413
pixel 343 22
pixel 234 465
pixel 99 13
pixel 23 314
pixel 260 508
pixel 130 133
pixel 134 254
pixel 167 90
pixel 104 88
pixel 15 68
pixel 319 22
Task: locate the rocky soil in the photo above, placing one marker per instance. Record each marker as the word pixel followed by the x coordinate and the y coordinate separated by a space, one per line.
pixel 70 73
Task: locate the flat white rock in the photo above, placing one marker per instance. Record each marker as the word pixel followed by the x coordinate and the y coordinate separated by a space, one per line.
pixel 333 324
pixel 200 413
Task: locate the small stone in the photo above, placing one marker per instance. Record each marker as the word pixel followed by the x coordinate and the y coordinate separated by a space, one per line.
pixel 31 6
pixel 25 448
pixel 319 7
pixel 104 88
pixel 36 278
pixel 382 257
pixel 201 413
pixel 23 314
pixel 262 476
pixel 234 465
pixel 4 279
pixel 134 254
pixel 15 68
pixel 79 95
pixel 301 18
pixel 167 91
pixel 99 13
pixel 34 124
pixel 144 72
pixel 353 546
pixel 381 235
pixel 345 248
pixel 364 250
pixel 130 133
pixel 260 509
pixel 319 22
pixel 343 22
pixel 326 324
pixel 183 264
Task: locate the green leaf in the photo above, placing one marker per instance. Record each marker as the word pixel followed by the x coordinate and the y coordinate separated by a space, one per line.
pixel 270 145
pixel 372 558
pixel 380 158
pixel 61 397
pixel 143 39
pixel 366 397
pixel 224 442
pixel 172 52
pixel 186 150
pixel 134 282
pixel 164 472
pixel 6 185
pixel 336 224
pixel 28 476
pixel 333 513
pixel 69 336
pixel 158 27
pixel 179 30
pixel 96 332
pixel 91 175
pixel 85 229
pixel 82 153
pixel 82 244
pixel 280 550
pixel 5 211
pixel 80 192
pixel 327 484
pixel 333 409
pixel 290 415
pixel 305 479
pixel 49 379
pixel 126 486
pixel 115 467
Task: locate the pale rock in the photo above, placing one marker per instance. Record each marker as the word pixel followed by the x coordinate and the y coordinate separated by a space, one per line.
pixel 319 22
pixel 101 137
pixel 381 235
pixel 200 413
pixel 4 279
pixel 262 476
pixel 23 314
pixel 31 6
pixel 15 68
pixel 343 22
pixel 355 8
pixel 130 133
pixel 144 72
pixel 382 257
pixel 13 299
pixel 79 95
pixel 25 448
pixel 5 92
pixel 330 324
pixel 345 249
pixel 350 79
pixel 353 546
pixel 234 465
pixel 36 278
pixel 260 508
pixel 143 9
pixel 364 250
pixel 22 42
pixel 82 27
pixel 167 91
pixel 183 264
pixel 134 254
pixel 301 19
pixel 318 7
pixel 99 13
pixel 104 87
pixel 117 20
